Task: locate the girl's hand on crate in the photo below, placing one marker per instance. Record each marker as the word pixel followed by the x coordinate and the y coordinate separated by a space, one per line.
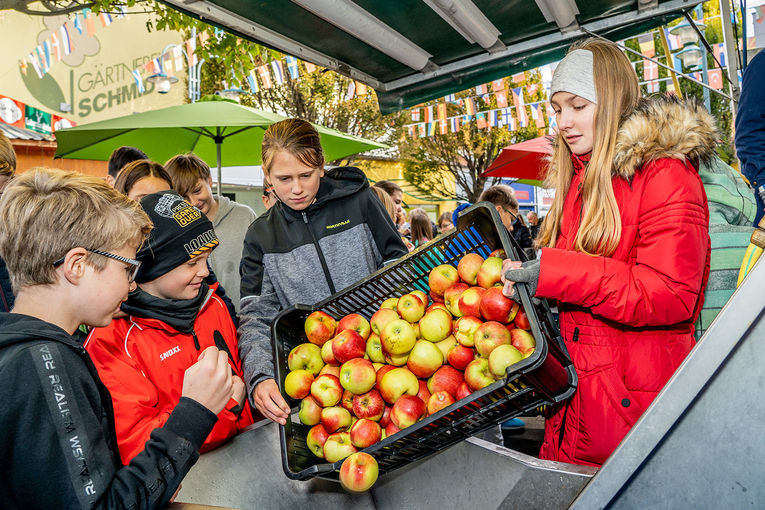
pixel 269 401
pixel 515 271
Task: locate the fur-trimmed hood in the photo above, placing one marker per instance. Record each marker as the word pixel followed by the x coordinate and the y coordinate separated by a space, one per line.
pixel 663 126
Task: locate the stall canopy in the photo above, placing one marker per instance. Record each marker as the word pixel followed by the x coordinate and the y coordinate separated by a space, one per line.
pixel 412 51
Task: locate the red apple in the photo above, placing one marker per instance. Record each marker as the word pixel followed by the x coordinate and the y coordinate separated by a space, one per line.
pixel 436 298
pixel 370 405
pixel 397 382
pixel 436 325
pixel 348 344
pixel 523 341
pixel 398 337
pixel 441 278
pixel 316 438
pixel 499 252
pixel 335 419
pixel 307 357
pixel 338 446
pixel 452 298
pixel 446 379
pixel 495 306
pixel 424 359
pixel 468 267
pixel 319 327
pixel 460 356
pixel 410 307
pixel 382 317
pixel 326 390
pixel 326 353
pixel 437 306
pixel 478 375
pixel 331 369
pixel 463 391
pixel 355 322
pixel 465 329
pixel 389 303
pixel 346 401
pixel 380 373
pixel 490 273
pixel 297 384
pixel 503 357
pixel 391 429
pixel 522 320
pixel 374 349
pixel 385 420
pixel 489 336
pixel 310 411
pixel 359 472
pixel 358 375
pixel 438 401
pixel 470 301
pixel 423 297
pixel 365 433
pixel 424 393
pixel 446 345
pixel 407 411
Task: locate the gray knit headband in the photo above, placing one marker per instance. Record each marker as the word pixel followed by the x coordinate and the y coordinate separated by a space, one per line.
pixel 574 75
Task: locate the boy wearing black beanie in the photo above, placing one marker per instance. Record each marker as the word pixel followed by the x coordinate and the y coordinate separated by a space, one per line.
pixel 173 316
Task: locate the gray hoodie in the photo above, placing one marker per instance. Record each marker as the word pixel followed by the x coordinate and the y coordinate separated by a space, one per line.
pixel 230 225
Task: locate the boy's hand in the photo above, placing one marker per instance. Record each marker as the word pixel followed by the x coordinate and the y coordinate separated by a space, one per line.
pixel 209 381
pixel 270 402
pixel 240 390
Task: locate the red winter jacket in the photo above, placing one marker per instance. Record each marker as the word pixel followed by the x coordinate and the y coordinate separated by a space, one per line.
pixel 142 361
pixel 627 319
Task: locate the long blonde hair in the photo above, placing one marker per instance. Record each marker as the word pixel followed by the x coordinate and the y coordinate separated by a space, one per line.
pixel 618 92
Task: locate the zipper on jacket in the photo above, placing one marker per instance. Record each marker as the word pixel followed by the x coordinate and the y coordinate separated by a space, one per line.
pixel 322 260
pixel 575 338
pixel 196 340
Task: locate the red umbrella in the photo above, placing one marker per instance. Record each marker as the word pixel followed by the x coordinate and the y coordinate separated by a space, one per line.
pixel 524 160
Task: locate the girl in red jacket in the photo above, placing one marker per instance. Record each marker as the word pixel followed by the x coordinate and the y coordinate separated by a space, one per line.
pixel 625 246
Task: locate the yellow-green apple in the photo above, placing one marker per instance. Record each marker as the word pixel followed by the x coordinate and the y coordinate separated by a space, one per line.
pixel 319 327
pixel 452 298
pixel 370 405
pixel 327 355
pixel 489 336
pixel 391 429
pixel 380 373
pixel 315 440
pixel 441 278
pixel 495 306
pixel 338 446
pixel 522 320
pixel 465 329
pixel 335 418
pixel 382 317
pixel 383 435
pixel 348 345
pixel 416 328
pixel 346 401
pixel 397 382
pixel 478 375
pixel 374 349
pixel 424 392
pixel 307 357
pixel 468 267
pixel 503 357
pixel 523 341
pixel 460 356
pixel 389 303
pixel 378 366
pixel 355 322
pixel 463 391
pixel 326 390
pixel 397 360
pixel 438 401
pixel 446 379
pixel 385 420
pixel 490 273
pixel 499 252
pixel 410 307
pixel 437 306
pixel 424 358
pixel 331 369
pixel 358 472
pixel 470 301
pixel 436 298
pixel 420 294
pixel 398 337
pixel 297 384
pixel 436 325
pixel 407 411
pixel 357 375
pixel 446 345
pixel 353 420
pixel 365 433
pixel 310 411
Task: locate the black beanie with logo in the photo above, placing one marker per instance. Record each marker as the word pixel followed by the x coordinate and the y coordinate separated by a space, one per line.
pixel 180 233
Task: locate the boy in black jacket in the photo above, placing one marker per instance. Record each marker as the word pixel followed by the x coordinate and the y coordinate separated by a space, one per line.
pixel 69 241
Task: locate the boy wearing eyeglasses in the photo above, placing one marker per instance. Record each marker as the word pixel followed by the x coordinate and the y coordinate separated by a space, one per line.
pixel 173 316
pixel 70 242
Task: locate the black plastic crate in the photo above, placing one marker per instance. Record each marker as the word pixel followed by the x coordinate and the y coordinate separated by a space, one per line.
pixel 544 378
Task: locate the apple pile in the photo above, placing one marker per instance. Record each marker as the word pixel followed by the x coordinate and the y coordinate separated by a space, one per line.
pixel 361 380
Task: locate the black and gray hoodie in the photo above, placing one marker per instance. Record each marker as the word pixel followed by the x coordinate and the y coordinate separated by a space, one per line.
pixel 301 257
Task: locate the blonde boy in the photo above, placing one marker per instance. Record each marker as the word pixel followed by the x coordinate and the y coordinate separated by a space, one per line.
pixel 70 241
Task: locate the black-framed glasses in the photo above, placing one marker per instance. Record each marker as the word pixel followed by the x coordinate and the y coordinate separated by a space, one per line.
pixel 134 265
pixel 508 211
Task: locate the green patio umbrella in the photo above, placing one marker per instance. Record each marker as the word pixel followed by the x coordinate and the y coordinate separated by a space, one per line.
pixel 221 131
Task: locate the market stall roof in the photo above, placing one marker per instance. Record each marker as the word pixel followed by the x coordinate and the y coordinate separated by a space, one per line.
pixel 412 51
